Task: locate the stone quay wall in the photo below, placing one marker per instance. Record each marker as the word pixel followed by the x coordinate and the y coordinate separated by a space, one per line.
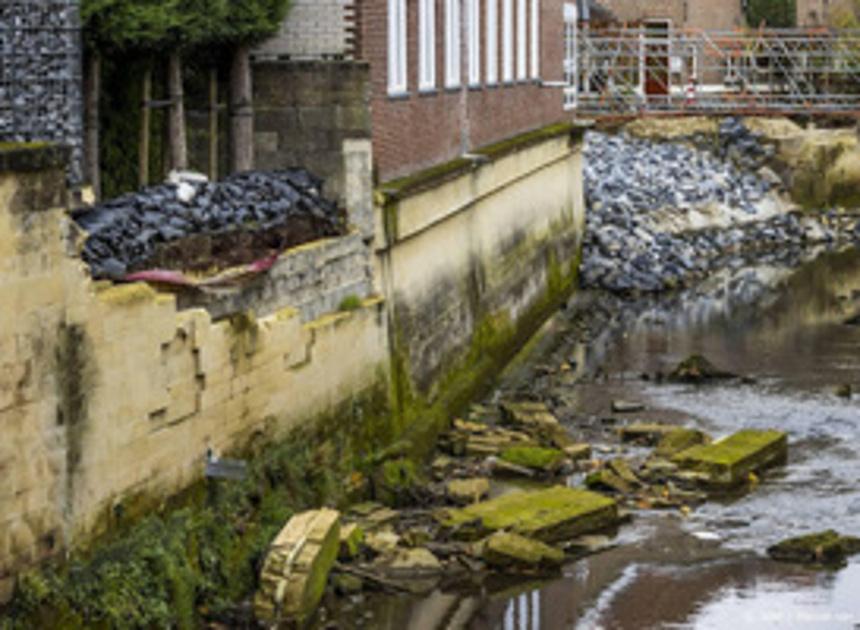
pixel 111 395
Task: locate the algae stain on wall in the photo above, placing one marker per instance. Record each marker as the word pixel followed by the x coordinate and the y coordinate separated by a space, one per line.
pixel 75 378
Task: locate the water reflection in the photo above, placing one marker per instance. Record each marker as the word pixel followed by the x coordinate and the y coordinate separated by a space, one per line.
pixel 785 328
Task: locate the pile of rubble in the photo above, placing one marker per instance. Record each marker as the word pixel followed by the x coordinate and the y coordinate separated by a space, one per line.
pixel 661 214
pixel 475 520
pixel 125 234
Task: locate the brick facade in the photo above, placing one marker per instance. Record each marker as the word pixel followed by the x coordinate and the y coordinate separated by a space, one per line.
pixel 705 14
pixel 823 12
pixel 418 130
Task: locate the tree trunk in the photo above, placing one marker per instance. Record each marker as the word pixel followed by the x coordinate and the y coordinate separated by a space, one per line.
pixel 213 124
pixel 241 112
pixel 145 118
pixel 176 118
pixel 93 90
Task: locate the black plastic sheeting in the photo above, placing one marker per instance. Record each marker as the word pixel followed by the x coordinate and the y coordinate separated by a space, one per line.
pixel 124 233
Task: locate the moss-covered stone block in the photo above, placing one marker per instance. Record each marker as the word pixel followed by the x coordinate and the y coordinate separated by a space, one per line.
pixel 505 550
pixel 728 462
pixel 534 457
pixel 549 515
pixel 824 548
pixel 296 568
pixel 680 440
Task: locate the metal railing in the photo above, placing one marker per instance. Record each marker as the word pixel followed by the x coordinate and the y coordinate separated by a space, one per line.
pixel 40 75
pixel 633 71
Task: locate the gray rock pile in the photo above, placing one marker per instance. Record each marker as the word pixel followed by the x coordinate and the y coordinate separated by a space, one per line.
pixel 660 214
pixel 123 233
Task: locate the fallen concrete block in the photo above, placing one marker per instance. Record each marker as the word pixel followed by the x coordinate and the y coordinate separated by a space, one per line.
pixel 729 461
pixel 504 550
pixel 297 565
pixel 549 515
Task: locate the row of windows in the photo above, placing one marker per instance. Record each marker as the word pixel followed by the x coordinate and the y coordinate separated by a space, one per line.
pixel 514 60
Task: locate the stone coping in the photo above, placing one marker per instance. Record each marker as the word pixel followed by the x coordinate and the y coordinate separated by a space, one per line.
pixel 29 157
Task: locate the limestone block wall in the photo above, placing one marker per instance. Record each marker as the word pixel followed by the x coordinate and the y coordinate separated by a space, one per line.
pixel 112 394
pixel 478 252
pixel 304 113
pixel 313 279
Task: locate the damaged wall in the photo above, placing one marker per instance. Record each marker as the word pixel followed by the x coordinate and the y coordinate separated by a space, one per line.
pixel 476 257
pixel 110 396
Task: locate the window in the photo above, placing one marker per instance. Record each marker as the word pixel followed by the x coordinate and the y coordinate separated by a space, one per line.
pixel 507 40
pixel 535 39
pixel 396 47
pixel 427 45
pixel 492 70
pixel 473 15
pixel 522 30
pixel 452 43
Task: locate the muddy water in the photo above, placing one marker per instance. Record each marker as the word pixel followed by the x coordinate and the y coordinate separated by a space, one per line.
pixel 784 328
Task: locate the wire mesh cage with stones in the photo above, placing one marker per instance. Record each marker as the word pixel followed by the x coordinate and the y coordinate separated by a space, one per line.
pixel 41 97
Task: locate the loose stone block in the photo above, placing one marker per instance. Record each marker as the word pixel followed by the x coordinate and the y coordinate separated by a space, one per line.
pixel 825 548
pixel 534 457
pixel 549 515
pixel 297 566
pixel 680 440
pixel 535 419
pixel 504 550
pixel 468 490
pixel 648 433
pixel 729 461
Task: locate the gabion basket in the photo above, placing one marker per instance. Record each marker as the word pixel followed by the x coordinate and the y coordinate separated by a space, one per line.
pixel 41 97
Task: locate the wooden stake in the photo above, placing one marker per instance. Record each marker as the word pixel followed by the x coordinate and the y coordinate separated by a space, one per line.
pixel 213 124
pixel 93 91
pixel 176 117
pixel 145 117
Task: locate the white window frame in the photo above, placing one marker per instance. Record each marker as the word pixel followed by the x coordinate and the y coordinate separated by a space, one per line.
pixel 397 56
pixel 453 45
pixel 473 18
pixel 508 41
pixel 571 52
pixel 492 25
pixel 426 45
pixel 535 39
pixel 522 41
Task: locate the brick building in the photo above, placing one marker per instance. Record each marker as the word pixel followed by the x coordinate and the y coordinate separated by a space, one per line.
pixel 823 12
pixel 704 14
pixel 446 76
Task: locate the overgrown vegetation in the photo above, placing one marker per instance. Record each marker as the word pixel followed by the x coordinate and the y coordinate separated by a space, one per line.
pixel 130 45
pixel 202 561
pixel 772 13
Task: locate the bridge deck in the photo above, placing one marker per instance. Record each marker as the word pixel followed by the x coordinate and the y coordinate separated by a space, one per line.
pixel 642 71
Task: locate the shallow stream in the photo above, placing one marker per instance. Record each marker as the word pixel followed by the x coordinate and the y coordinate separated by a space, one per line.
pixel 784 328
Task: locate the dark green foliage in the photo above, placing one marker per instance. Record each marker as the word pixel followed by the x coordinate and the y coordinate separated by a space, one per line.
pixel 169 571
pixel 774 13
pixel 158 25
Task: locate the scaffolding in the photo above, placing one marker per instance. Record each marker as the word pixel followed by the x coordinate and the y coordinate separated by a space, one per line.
pixel 653 70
